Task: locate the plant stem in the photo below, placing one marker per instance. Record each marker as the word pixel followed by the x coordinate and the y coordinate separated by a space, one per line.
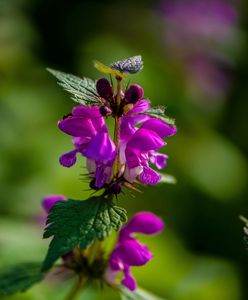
pixel 76 289
pixel 116 141
pixel 118 93
pixel 117 127
pixel 93 251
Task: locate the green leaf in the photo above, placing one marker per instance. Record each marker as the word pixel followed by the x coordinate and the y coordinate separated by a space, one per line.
pixel 107 70
pixel 74 222
pixel 82 89
pixel 19 278
pixel 130 65
pixel 159 112
pixel 138 294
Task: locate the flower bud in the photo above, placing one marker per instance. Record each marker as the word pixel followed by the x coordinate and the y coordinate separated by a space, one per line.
pixel 127 107
pixel 67 116
pixel 105 111
pixel 134 93
pixel 104 88
pixel 68 257
pixel 115 188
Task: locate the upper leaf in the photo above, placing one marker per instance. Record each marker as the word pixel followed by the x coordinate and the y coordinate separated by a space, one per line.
pixel 138 294
pixel 82 89
pixel 107 70
pixel 19 278
pixel 130 65
pixel 74 222
pixel 159 112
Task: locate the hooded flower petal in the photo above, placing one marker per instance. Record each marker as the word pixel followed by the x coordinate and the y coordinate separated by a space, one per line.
pixel 132 118
pixel 133 158
pixel 77 126
pixel 127 129
pixel 146 140
pixel 92 113
pixel 161 128
pixel 133 253
pixel 143 222
pixel 84 122
pixel 86 112
pixel 100 148
pixel 49 201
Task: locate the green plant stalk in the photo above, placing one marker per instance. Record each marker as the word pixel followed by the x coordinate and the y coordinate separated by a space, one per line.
pixel 94 249
pixel 77 288
pixel 96 244
pixel 117 128
pixel 116 141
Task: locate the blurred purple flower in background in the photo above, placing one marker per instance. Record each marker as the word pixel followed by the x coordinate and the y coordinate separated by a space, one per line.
pixel 129 251
pixel 201 34
pixel 49 201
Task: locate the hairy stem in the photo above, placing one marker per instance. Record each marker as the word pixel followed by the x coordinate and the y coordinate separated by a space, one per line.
pixel 77 288
pixel 118 93
pixel 117 128
pixel 116 141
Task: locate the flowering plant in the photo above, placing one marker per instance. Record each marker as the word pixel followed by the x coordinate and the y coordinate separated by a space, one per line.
pixel 79 228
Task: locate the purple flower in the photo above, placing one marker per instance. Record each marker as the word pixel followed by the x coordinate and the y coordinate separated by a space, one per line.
pixel 105 111
pixel 212 74
pixel 104 88
pixel 49 201
pixel 192 22
pixel 134 93
pixel 129 251
pixel 197 31
pixel 139 136
pixel 91 139
pixel 138 145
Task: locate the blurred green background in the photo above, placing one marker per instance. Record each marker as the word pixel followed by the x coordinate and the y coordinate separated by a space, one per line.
pixel 201 254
